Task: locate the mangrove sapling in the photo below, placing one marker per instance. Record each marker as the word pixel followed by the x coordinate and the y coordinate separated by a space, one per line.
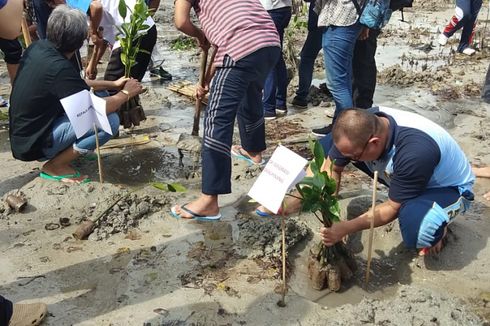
pixel 327 265
pixel 131 113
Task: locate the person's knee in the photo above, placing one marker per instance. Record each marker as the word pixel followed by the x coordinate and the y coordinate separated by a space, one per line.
pixel 422 223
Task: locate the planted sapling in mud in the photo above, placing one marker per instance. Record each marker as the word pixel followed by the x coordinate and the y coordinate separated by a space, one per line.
pixel 131 112
pixel 327 266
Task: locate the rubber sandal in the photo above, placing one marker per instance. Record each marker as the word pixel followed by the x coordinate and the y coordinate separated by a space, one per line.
pixel 262 213
pixel 242 156
pixel 195 216
pixel 59 178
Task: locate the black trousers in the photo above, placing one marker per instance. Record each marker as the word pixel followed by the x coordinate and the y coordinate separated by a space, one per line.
pixel 12 50
pixel 485 94
pixel 115 67
pixel 364 71
pixel 5 311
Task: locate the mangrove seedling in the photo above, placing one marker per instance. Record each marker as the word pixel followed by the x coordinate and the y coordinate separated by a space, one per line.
pixel 327 265
pixel 130 34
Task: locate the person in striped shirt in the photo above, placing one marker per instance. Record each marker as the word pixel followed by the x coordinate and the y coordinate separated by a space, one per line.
pixel 248 46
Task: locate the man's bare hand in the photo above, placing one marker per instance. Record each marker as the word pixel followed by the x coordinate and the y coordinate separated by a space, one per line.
pixel 133 87
pixel 201 91
pixel 333 234
pixel 364 34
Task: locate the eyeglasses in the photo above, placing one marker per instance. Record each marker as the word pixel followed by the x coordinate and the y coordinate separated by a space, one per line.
pixel 358 157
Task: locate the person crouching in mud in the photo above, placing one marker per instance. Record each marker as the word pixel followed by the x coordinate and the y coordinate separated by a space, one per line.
pixel 39 128
pixel 429 177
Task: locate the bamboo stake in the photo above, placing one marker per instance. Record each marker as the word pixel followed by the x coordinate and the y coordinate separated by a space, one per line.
pixel 283 230
pixel 371 228
pixel 99 161
pixel 202 80
pixel 25 32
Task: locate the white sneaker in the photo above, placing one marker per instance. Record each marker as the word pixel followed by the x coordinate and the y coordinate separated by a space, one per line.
pixel 443 39
pixel 468 51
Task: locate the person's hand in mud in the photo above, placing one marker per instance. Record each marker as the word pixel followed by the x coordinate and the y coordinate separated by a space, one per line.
pixel 201 91
pixel 333 234
pixel 364 34
pixel 133 87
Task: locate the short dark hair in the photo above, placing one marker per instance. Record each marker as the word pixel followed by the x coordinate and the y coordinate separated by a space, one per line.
pixel 67 29
pixel 355 124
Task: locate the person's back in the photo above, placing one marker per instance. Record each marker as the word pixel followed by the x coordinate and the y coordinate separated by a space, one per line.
pixel 237 28
pixel 411 142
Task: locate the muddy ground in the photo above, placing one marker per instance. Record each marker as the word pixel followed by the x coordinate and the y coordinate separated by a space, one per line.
pixel 143 267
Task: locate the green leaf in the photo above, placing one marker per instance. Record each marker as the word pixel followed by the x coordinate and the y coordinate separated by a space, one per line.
pixel 318 153
pixel 160 185
pixel 169 187
pixel 177 187
pixel 123 9
pixel 124 58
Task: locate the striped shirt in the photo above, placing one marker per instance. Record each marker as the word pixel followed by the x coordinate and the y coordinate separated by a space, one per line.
pixel 236 28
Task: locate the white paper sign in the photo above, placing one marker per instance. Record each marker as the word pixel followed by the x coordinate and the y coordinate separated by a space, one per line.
pixel 283 171
pixel 83 110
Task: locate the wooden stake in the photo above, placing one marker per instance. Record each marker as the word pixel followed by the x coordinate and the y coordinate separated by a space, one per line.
pixel 284 284
pixel 202 80
pixel 99 161
pixel 25 32
pixel 371 228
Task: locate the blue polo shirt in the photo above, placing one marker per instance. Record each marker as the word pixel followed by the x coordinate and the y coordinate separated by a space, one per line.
pixel 3 3
pixel 420 155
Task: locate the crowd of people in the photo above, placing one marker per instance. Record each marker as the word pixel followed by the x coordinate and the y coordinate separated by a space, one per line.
pixel 430 179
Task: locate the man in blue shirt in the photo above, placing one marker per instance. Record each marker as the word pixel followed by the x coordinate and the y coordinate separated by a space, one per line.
pixel 429 177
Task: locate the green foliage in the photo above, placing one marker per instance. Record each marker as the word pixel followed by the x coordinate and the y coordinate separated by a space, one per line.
pixel 318 191
pixel 183 43
pixel 131 32
pixel 169 187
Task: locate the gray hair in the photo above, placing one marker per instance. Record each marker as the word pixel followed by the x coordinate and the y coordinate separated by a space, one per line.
pixel 67 29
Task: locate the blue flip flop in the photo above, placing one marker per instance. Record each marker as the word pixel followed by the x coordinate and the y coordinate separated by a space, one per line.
pixel 242 156
pixel 262 213
pixel 195 216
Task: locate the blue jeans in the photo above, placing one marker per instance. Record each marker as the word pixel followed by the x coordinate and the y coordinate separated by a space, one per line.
pixel 338 48
pixel 63 136
pixel 309 52
pixel 236 91
pixel 276 84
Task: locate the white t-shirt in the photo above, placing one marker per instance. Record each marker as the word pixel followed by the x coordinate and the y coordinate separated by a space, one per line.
pixel 111 19
pixel 275 4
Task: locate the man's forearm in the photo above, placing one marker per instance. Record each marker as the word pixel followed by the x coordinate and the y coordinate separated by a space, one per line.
pixel 101 85
pixel 384 214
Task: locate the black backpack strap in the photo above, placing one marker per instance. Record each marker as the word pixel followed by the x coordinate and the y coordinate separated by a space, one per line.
pixel 358 8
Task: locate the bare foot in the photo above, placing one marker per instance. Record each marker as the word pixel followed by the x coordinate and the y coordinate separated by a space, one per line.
pixel 437 248
pixel 487 196
pixel 206 205
pixel 290 205
pixel 256 157
pixel 482 172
